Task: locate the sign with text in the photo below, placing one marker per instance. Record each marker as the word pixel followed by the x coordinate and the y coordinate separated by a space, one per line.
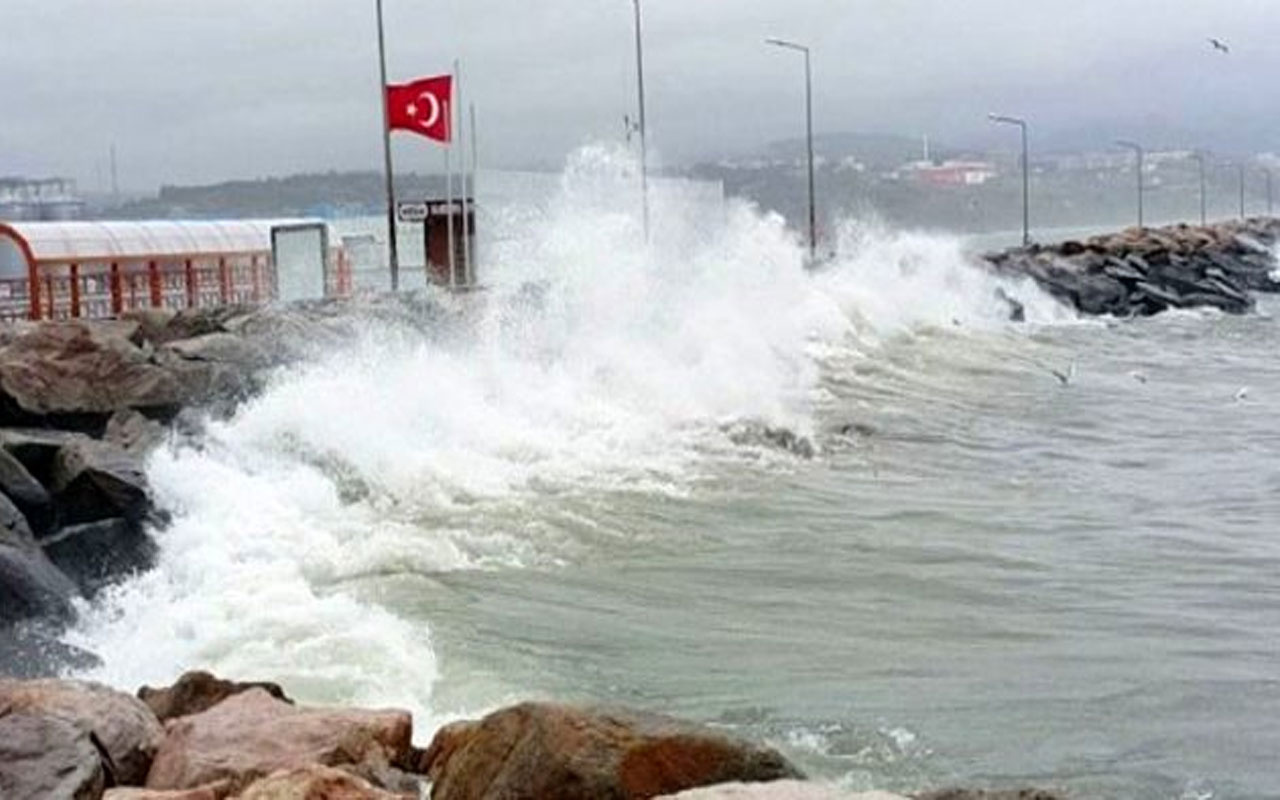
pixel 412 212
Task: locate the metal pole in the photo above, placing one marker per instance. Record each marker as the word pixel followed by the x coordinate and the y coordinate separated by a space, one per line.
pixel 813 203
pixel 1242 208
pixel 644 127
pixel 1026 172
pixel 386 150
pixel 475 171
pixel 1270 196
pixel 462 170
pixel 808 106
pixel 1137 148
pixel 1204 195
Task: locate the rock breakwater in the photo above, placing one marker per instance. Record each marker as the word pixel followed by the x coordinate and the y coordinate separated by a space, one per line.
pixel 208 739
pixel 1141 272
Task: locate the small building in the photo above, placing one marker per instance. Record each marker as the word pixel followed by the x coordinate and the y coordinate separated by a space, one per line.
pixel 953 173
pixel 32 200
pixel 65 270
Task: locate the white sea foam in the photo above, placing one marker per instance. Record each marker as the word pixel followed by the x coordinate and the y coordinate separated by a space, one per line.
pixel 595 363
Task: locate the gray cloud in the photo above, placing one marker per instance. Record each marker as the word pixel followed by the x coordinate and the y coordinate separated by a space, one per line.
pixel 199 91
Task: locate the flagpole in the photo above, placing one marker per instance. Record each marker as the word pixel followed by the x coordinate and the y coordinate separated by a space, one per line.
pixel 448 196
pixel 386 150
pixel 475 172
pixel 462 169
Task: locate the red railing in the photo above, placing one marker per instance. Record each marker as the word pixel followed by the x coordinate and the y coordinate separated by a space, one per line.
pixel 100 290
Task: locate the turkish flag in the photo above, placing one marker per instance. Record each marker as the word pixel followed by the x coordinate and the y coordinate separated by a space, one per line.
pixel 423 107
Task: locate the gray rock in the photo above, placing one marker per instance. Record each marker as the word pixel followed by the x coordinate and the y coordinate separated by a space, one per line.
pixel 96 554
pixel 95 480
pixel 44 757
pixel 27 494
pixel 30 585
pixel 37 449
pixel 134 432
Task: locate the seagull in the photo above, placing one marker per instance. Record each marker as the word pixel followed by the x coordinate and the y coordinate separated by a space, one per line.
pixel 1139 376
pixel 1218 44
pixel 1243 394
pixel 1065 378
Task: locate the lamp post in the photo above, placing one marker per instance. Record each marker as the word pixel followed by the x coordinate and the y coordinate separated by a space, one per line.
pixel 1242 208
pixel 1204 197
pixel 1026 173
pixel 386 153
pixel 644 129
pixel 808 105
pixel 1137 149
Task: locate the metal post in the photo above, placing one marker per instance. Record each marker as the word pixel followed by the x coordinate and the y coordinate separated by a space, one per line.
pixel 475 169
pixel 808 107
pixel 1204 195
pixel 644 128
pixel 1270 195
pixel 462 170
pixel 1242 205
pixel 1137 148
pixel 1026 172
pixel 386 149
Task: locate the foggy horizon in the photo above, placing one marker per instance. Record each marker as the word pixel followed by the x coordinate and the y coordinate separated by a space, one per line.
pixel 201 95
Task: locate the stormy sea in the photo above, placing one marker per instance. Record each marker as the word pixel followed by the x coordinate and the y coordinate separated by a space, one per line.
pixel 851 511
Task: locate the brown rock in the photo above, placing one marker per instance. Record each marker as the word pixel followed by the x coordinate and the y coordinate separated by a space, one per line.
pixel 124 726
pixel 199 691
pixel 214 791
pixel 316 783
pixel 43 757
pixel 81 368
pixel 540 750
pixel 252 735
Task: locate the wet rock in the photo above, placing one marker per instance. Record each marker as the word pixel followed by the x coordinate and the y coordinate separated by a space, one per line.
pixel 30 585
pixel 196 692
pixel 81 370
pixel 317 783
pixel 134 432
pixel 214 791
pixel 94 480
pixel 782 790
pixel 30 497
pixel 539 750
pixel 37 450
pixel 125 727
pixel 44 757
pixel 95 554
pixel 34 649
pixel 252 735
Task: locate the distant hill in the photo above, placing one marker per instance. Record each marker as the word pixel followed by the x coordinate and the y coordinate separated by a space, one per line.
pixel 873 149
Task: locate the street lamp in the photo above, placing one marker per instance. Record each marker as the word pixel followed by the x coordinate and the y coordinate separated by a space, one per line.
pixel 1242 208
pixel 644 129
pixel 386 154
pixel 1026 173
pixel 1204 201
pixel 808 102
pixel 1136 148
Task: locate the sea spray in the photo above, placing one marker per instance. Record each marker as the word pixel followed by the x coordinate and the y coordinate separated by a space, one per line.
pixel 593 363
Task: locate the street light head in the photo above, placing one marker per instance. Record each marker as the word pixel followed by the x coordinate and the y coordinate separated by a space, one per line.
pixel 787 44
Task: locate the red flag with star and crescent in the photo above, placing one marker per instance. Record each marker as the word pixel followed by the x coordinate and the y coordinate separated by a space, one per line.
pixel 423 107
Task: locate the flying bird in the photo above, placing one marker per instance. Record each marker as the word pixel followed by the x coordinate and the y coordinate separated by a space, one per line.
pixel 1065 378
pixel 1218 44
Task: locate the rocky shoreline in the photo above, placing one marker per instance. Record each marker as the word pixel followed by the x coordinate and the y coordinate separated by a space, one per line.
pixel 1141 272
pixel 208 739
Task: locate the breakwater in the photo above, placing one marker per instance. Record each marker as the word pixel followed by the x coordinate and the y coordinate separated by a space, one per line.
pixel 1141 272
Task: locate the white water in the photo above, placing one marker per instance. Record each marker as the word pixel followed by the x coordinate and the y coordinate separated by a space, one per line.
pixel 593 364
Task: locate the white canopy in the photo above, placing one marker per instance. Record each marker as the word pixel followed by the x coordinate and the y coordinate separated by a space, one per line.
pixel 107 241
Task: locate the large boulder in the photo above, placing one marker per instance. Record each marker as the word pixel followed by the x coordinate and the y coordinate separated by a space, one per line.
pixel 94 480
pixel 79 369
pixel 97 554
pixel 31 498
pixel 540 750
pixel 37 449
pixel 45 757
pixel 124 726
pixel 214 367
pixel 30 585
pixel 252 735
pixel 317 783
pixel 196 692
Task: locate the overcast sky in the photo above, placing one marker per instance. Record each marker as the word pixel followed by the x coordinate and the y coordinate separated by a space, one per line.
pixel 203 90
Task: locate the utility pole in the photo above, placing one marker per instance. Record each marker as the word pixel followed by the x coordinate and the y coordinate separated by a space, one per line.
pixel 644 128
pixel 386 151
pixel 1026 172
pixel 1137 149
pixel 808 106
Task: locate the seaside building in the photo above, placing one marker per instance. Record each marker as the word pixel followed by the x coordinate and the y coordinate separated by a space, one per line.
pixel 23 200
pixel 67 270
